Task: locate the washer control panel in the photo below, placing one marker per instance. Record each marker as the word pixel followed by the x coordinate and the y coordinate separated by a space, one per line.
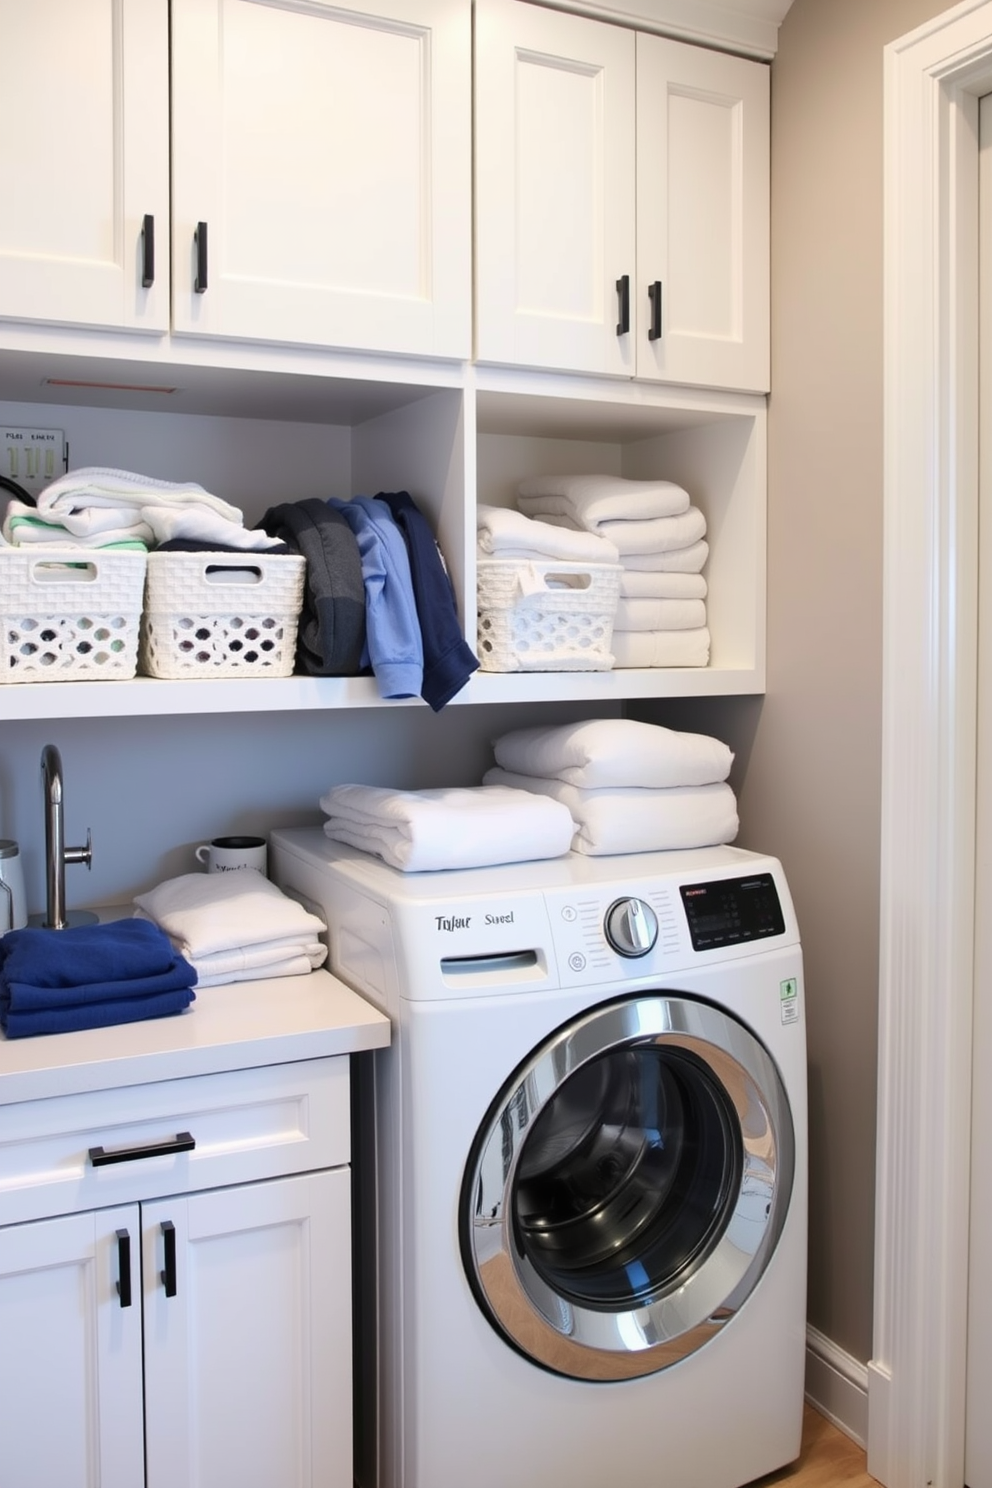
pixel 729 911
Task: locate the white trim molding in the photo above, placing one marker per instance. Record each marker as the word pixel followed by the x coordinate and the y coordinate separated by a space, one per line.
pixel 916 1379
pixel 837 1385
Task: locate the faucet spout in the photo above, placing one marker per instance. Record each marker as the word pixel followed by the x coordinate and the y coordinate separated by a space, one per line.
pixel 56 852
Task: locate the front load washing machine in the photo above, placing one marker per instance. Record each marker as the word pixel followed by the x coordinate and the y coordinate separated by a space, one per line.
pixel 588 1259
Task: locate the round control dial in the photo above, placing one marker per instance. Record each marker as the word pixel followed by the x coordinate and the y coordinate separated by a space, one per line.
pixel 631 927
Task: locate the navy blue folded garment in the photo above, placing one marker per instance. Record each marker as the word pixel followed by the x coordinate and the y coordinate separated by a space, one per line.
pixel 449 660
pixel 72 1018
pixel 24 997
pixel 83 954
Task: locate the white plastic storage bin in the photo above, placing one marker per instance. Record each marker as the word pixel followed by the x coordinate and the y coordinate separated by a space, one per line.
pixel 69 614
pixel 221 614
pixel 546 617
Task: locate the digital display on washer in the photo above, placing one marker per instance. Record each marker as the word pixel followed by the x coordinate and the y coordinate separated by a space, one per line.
pixel 731 910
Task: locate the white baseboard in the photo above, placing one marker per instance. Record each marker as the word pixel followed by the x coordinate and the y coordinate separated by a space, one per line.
pixel 837 1385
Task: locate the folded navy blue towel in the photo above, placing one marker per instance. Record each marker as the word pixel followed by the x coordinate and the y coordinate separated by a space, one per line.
pixel 71 1018
pixel 83 954
pixel 23 997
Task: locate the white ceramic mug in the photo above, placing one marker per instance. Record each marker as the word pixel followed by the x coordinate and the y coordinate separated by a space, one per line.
pixel 226 854
pixel 13 905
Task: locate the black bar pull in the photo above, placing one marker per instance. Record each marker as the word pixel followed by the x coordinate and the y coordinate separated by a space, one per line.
pixel 654 295
pixel 169 1274
pixel 623 304
pixel 181 1142
pixel 124 1267
pixel 200 240
pixel 147 251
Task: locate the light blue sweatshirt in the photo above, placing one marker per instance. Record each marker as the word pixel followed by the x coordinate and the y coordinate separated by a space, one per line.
pixel 394 647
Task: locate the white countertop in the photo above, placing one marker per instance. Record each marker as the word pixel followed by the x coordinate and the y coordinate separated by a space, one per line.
pixel 238 1026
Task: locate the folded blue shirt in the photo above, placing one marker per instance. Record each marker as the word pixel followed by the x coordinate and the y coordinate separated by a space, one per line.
pixel 84 954
pixel 95 1014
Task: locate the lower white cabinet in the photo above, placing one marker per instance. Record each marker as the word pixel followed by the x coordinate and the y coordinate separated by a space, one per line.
pixel 198 1338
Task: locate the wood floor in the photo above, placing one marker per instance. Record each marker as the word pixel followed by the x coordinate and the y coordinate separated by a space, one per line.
pixel 828 1458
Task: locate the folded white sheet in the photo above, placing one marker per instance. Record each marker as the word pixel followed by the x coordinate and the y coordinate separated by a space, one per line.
pixel 458 827
pixel 633 820
pixel 593 499
pixel 614 752
pixel 95 500
pixel 283 957
pixel 661 648
pixel 691 559
pixel 206 913
pixel 654 585
pixel 503 533
pixel 660 614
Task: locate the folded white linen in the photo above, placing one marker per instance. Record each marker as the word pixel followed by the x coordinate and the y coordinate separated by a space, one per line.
pixel 660 614
pixel 661 648
pixel 613 752
pixel 22 527
pixel 637 585
pixel 283 957
pixel 655 535
pixel 593 499
pixel 459 827
pixel 631 820
pixel 95 500
pixel 690 559
pixel 503 533
pixel 206 913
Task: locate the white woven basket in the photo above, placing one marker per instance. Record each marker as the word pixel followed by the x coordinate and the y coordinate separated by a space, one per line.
pixel 221 614
pixel 546 617
pixel 69 614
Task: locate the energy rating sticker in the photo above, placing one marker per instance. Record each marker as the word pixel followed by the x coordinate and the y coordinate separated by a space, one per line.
pixel 788 988
pixel 788 991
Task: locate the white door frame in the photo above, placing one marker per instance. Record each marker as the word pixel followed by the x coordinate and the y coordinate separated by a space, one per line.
pixel 916 1391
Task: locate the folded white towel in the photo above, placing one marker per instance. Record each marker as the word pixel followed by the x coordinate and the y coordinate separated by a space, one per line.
pixel 206 913
pixel 467 827
pixel 287 956
pixel 503 533
pixel 591 500
pixel 660 614
pixel 94 500
pixel 661 648
pixel 632 820
pixel 637 585
pixel 690 559
pixel 612 752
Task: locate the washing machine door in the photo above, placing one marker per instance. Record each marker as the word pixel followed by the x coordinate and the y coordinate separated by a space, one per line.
pixel 627 1189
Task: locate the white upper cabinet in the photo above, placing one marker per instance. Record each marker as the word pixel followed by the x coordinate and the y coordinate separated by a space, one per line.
pixel 621 201
pixel 702 216
pixel 322 173
pixel 84 157
pixel 554 151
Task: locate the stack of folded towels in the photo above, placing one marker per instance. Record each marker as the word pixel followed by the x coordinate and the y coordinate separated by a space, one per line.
pixel 234 927
pixel 630 787
pixel 89 976
pixel 95 507
pixel 660 538
pixel 427 830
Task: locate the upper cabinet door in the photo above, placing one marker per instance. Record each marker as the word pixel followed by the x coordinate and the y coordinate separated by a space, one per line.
pixel 84 156
pixel 554 142
pixel 702 216
pixel 322 173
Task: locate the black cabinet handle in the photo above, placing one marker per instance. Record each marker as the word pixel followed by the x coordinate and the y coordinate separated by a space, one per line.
pixel 147 251
pixel 169 1274
pixel 200 240
pixel 181 1142
pixel 623 304
pixel 124 1267
pixel 654 295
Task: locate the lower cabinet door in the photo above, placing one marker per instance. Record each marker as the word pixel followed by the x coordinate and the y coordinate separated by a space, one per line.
pixel 247 1301
pixel 70 1352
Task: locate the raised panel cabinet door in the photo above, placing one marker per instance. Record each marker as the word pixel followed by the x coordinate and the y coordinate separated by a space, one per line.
pixel 84 158
pixel 702 299
pixel 70 1352
pixel 248 1335
pixel 554 189
pixel 322 173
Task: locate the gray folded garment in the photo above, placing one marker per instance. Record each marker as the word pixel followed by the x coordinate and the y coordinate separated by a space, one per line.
pixel 331 632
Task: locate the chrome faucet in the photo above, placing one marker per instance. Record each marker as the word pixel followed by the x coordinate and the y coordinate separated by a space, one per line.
pixel 56 852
